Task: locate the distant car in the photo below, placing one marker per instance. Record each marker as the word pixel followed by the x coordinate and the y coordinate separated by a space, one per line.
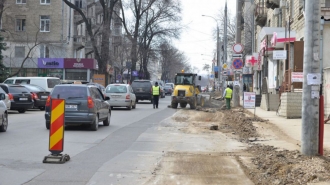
pixel 19 96
pixel 121 95
pixel 39 95
pixel 162 91
pixel 47 83
pixel 142 90
pixel 203 88
pixel 84 105
pixel 3 113
pixel 170 84
pixel 101 87
pixel 6 100
pixel 168 90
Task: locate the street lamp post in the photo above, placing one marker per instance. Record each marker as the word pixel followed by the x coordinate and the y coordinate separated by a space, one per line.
pixel 218 49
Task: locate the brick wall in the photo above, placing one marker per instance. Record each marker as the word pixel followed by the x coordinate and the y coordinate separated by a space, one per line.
pixel 291 105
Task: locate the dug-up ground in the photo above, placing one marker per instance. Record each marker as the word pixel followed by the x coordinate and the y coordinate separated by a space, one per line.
pixel 243 150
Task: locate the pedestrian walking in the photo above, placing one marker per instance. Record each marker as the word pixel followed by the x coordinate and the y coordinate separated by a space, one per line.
pixel 155 93
pixel 227 94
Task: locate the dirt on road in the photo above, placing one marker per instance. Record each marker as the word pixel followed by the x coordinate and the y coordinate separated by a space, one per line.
pixel 265 155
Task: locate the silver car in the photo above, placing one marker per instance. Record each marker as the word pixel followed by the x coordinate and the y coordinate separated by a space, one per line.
pixel 3 114
pixel 6 100
pixel 121 95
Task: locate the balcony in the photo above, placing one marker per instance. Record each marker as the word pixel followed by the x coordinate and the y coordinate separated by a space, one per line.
pixel 272 4
pixel 261 14
pixel 79 41
pixel 77 17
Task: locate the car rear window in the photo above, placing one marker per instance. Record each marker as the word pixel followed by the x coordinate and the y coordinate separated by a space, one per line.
pixel 67 92
pixel 35 88
pixel 141 84
pixel 18 89
pixel 52 82
pixel 116 89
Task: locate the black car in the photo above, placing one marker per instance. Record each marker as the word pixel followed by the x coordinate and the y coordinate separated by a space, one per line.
pixel 142 90
pixel 84 105
pixel 20 97
pixel 39 95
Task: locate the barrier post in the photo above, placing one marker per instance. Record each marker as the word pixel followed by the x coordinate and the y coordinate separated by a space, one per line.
pixel 56 133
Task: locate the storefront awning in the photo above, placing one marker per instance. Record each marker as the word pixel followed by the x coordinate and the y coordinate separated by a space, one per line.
pixel 279 38
pixel 269 31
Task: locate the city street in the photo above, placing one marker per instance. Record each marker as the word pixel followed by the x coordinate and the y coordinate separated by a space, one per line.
pixel 25 144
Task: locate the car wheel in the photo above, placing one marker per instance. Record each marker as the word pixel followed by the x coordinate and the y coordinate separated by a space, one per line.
pixel 42 108
pixel 47 125
pixel 193 105
pixel 21 110
pixel 3 127
pixel 95 124
pixel 107 121
pixel 134 105
pixel 130 106
pixel 183 105
pixel 174 105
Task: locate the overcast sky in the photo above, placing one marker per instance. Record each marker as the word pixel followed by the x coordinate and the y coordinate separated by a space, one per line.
pixel 197 38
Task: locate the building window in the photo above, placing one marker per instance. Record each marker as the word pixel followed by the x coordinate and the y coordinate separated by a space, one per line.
pixel 20 24
pixel 327 3
pixel 44 1
pixel 78 3
pixel 20 1
pixel 19 51
pixel 44 51
pixel 45 23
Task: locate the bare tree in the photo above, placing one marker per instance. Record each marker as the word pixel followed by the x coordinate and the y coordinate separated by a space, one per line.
pixel 102 54
pixel 160 22
pixel 138 9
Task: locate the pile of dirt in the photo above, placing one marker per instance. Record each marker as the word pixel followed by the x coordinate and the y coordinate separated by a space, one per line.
pixel 273 165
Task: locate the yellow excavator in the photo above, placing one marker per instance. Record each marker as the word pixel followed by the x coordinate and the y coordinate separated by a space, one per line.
pixel 186 91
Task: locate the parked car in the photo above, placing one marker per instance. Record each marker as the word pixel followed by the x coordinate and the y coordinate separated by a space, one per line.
pixel 39 95
pixel 47 83
pixel 168 90
pixel 142 90
pixel 84 105
pixel 19 96
pixel 6 100
pixel 3 113
pixel 203 88
pixel 121 95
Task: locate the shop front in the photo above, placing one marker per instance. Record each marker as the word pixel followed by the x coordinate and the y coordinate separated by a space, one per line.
pixel 67 68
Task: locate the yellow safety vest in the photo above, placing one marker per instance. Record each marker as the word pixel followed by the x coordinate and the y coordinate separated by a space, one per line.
pixel 229 92
pixel 155 90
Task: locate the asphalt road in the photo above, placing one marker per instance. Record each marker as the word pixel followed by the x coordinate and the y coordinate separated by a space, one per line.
pixel 25 144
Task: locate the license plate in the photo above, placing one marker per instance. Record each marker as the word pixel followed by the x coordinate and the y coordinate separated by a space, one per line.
pixel 23 99
pixel 44 97
pixel 71 106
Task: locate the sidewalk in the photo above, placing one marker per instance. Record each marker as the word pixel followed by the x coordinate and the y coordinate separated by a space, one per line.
pixel 291 127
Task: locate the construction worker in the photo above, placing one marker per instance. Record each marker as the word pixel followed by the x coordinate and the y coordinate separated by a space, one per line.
pixel 227 94
pixel 155 94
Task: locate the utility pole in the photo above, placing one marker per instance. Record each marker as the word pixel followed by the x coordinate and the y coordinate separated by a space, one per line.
pixel 238 40
pixel 225 41
pixel 310 103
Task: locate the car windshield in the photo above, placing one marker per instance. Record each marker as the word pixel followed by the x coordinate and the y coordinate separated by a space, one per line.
pixel 184 80
pixel 69 92
pixel 18 89
pixel 116 89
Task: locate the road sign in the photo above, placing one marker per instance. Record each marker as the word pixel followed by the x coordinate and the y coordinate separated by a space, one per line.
pixel 236 56
pixel 237 63
pixel 224 66
pixel 238 48
pixel 118 76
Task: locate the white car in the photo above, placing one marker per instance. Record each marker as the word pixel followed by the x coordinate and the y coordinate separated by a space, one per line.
pixel 3 114
pixel 121 95
pixel 6 100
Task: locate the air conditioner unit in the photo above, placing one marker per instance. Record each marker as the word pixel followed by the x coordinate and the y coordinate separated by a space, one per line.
pixel 283 3
pixel 276 11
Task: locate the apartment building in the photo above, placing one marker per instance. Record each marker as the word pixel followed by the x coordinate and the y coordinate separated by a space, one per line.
pixel 53 38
